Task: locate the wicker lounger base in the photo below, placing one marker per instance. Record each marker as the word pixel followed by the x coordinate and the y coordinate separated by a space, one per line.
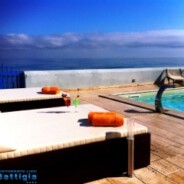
pixel 83 163
pixel 32 104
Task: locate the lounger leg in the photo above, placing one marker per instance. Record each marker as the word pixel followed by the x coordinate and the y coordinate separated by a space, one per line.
pixel 130 156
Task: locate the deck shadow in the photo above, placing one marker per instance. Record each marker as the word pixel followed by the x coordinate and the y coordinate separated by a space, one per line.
pixel 141 112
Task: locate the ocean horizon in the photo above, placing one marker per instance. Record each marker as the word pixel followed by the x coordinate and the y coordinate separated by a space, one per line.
pixel 88 63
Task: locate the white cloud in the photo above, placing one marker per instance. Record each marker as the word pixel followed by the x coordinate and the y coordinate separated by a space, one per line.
pixel 96 42
pixel 18 39
pixel 61 40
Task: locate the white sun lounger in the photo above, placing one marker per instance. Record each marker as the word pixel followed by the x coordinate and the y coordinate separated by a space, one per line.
pixel 60 143
pixel 27 98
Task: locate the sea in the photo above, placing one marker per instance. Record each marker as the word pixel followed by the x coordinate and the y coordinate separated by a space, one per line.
pixel 89 63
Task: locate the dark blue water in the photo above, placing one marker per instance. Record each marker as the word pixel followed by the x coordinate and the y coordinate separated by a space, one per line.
pixel 71 64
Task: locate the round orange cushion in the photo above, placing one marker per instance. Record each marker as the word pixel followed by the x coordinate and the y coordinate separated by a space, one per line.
pixel 91 114
pixel 105 119
pixel 50 90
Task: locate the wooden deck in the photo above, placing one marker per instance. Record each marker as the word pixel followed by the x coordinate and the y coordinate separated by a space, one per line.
pixel 167 138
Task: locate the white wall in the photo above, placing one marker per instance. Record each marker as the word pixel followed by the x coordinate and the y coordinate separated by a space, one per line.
pixel 91 78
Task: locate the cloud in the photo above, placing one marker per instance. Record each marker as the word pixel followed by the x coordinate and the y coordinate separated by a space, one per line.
pixel 15 41
pixel 163 38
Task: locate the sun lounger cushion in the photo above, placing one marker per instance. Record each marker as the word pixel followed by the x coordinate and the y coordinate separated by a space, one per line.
pixel 43 130
pixel 50 90
pixel 105 119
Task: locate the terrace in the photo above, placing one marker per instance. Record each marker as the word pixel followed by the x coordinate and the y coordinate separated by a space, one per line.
pixel 167 139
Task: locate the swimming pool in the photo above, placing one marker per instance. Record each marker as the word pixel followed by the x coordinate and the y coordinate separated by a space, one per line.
pixel 172 98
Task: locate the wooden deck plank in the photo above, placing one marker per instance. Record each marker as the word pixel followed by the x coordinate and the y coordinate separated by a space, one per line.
pixel 165 151
pixel 163 133
pixel 177 176
pixel 158 128
pixel 117 180
pixel 158 122
pixel 161 141
pixel 177 160
pixel 154 157
pixel 150 176
pixel 164 166
pixel 127 180
pixel 101 181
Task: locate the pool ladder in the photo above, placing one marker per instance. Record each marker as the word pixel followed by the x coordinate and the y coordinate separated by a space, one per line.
pixel 158 99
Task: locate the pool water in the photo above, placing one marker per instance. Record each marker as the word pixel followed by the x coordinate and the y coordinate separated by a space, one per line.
pixel 173 99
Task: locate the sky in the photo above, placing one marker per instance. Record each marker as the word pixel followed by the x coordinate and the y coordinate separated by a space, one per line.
pixel 91 28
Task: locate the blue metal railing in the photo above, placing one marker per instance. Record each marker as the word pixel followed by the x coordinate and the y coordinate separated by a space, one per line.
pixel 10 78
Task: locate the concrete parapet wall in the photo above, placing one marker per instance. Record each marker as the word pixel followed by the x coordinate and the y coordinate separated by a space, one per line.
pixel 91 78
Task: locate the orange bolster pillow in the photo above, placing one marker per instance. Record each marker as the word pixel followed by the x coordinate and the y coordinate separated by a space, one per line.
pixel 50 90
pixel 91 114
pixel 105 119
